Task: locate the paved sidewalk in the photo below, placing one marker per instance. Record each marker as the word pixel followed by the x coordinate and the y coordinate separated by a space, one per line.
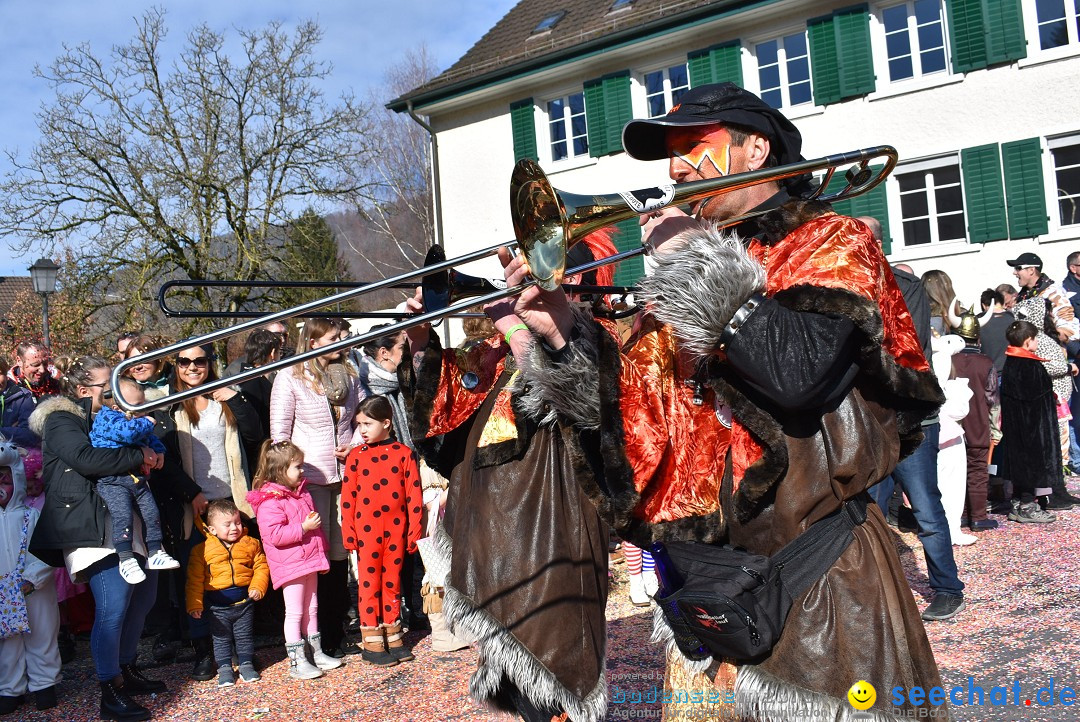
pixel 1021 625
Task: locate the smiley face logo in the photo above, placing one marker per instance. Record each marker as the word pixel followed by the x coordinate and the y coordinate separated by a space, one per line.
pixel 862 695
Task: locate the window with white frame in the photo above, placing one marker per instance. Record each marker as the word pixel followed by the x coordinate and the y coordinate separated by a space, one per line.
pixel 914 39
pixel 1056 23
pixel 1065 155
pixel 783 70
pixel 568 134
pixel 664 87
pixel 931 202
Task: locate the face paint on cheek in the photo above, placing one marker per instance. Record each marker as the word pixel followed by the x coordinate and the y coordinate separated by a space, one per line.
pixel 713 148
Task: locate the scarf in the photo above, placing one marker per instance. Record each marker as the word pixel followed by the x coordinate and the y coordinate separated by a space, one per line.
pixel 379 381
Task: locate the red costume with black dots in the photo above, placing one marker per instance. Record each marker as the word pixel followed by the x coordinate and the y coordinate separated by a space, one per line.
pixel 380 519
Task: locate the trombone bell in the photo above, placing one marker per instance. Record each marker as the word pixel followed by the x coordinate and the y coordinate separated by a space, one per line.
pixel 539 223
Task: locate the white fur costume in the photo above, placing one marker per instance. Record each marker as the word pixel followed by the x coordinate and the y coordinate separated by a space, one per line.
pixel 28 662
pixel 952 452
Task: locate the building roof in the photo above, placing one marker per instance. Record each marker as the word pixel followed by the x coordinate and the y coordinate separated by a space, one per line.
pixel 10 286
pixel 511 47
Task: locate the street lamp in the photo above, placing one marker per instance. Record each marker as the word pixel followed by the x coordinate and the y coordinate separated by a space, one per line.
pixel 43 276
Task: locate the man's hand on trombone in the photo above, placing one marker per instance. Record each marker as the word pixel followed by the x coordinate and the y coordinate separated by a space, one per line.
pixel 546 313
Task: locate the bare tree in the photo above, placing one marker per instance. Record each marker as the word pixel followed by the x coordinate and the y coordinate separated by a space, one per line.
pixel 191 171
pixel 396 226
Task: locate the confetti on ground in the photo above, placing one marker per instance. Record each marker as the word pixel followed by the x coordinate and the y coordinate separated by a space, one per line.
pixel 1021 625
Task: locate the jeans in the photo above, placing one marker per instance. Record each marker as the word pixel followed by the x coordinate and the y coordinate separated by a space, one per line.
pixel 123 493
pixel 120 610
pixel 231 626
pixel 917 476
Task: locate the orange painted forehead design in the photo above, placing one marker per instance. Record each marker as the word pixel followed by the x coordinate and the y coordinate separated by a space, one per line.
pixel 700 144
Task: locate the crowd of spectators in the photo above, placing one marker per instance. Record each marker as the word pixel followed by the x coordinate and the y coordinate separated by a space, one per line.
pixel 1012 410
pixel 114 561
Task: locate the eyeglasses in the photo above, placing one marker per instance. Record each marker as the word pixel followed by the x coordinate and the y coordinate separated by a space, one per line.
pixel 201 362
pixel 102 385
pixel 1020 268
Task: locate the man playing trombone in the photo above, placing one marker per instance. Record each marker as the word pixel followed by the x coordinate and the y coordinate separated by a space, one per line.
pixel 773 378
pixel 531 594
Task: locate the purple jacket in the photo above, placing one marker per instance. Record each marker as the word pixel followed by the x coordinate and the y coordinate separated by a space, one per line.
pixel 291 552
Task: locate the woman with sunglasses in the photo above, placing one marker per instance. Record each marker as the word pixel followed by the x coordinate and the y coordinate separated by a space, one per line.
pixel 209 436
pixel 152 376
pixel 313 404
pixel 73 531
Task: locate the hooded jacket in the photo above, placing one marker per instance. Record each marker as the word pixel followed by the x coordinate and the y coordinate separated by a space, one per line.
pixel 73 515
pixel 214 567
pixel 16 405
pixel 11 521
pixel 291 551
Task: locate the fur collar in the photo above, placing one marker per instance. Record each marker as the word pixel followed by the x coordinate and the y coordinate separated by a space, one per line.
pixel 52 404
pixel 774 226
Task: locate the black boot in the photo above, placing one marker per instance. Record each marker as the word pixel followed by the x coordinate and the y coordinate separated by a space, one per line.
pixel 45 698
pixel 135 683
pixel 117 705
pixel 1061 493
pixel 9 704
pixel 204 668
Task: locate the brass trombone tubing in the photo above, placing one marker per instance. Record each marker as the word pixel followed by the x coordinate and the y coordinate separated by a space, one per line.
pixel 173 313
pixel 576 216
pixel 341 345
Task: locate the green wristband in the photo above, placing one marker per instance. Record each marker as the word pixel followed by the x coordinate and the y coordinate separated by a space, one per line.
pixel 514 329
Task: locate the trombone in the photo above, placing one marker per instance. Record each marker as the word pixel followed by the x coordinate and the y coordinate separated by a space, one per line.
pixel 546 222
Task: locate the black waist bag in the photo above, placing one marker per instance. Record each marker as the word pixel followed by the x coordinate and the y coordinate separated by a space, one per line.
pixel 732 603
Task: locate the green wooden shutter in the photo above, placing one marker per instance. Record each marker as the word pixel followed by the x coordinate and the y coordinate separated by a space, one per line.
pixel 824 60
pixel 718 64
pixel 524 129
pixel 607 110
pixel 1024 188
pixel 967 34
pixel 874 203
pixel 1005 39
pixel 984 193
pixel 841 61
pixel 627 237
pixel 594 117
pixel 855 61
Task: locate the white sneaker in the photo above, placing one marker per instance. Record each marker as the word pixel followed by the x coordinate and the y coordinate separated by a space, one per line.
pixel 961 539
pixel 161 560
pixel 131 571
pixel 652 582
pixel 638 597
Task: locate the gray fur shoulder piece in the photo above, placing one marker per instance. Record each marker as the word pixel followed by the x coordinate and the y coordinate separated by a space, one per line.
pixel 569 389
pixel 762 697
pixel 697 288
pixel 47 406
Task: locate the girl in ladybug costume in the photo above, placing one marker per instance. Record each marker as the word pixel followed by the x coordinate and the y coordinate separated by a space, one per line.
pixel 381 502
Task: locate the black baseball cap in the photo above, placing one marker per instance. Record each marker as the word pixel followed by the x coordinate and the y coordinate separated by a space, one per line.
pixel 1026 259
pixel 715 103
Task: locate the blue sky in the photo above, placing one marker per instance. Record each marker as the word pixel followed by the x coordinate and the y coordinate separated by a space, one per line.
pixel 362 38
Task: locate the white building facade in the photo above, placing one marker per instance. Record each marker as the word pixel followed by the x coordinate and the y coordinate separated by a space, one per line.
pixel 980 97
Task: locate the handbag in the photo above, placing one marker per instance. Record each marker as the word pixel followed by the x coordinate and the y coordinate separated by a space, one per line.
pixel 731 603
pixel 436 564
pixel 13 617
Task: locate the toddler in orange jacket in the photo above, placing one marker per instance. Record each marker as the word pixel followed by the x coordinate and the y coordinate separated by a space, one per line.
pixel 226 574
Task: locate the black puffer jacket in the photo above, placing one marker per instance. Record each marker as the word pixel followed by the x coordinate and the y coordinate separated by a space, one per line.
pixel 73 515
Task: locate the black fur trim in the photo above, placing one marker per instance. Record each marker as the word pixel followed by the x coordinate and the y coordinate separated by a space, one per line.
pixel 420 391
pixel 775 225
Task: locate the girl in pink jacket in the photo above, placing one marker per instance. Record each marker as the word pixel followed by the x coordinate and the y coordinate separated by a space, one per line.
pixel 295 550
